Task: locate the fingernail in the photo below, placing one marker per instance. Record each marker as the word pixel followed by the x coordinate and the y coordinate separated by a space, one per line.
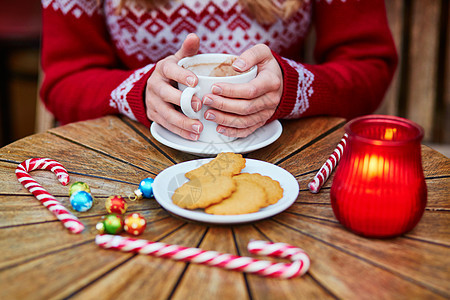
pixel 197 106
pixel 196 128
pixel 216 90
pixel 190 81
pixel 207 101
pixel 239 64
pixel 194 136
pixel 220 129
pixel 210 116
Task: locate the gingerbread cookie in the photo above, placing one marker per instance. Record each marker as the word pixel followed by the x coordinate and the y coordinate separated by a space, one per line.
pixel 272 187
pixel 248 197
pixel 201 192
pixel 224 164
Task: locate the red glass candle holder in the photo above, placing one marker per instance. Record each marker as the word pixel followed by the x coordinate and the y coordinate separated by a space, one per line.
pixel 379 189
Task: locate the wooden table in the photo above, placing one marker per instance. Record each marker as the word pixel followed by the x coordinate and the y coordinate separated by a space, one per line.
pixel 42 260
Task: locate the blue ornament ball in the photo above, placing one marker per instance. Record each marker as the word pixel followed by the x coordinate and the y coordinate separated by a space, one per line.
pixel 146 187
pixel 81 201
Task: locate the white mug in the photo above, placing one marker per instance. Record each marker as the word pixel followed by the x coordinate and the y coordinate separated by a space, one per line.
pixel 205 63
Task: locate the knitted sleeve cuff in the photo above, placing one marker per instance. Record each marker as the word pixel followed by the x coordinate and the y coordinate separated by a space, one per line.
pixel 132 92
pixel 290 86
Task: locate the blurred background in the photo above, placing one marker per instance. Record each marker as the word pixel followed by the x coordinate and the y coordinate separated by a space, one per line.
pixel 420 90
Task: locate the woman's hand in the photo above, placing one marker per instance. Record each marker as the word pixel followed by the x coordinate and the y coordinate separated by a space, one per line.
pixel 161 95
pixel 240 109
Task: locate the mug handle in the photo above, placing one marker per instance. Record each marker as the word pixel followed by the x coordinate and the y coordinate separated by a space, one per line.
pixel 186 102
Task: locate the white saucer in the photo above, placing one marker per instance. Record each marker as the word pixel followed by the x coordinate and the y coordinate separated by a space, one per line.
pixel 262 137
pixel 173 177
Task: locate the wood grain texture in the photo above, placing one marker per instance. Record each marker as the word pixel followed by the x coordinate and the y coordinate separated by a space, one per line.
pixel 297 288
pixel 210 282
pixel 445 133
pixel 296 134
pixel 426 269
pixel 434 163
pixel 83 262
pixel 174 155
pixel 158 276
pixel 423 63
pixel 48 237
pixel 343 274
pixel 123 143
pixel 305 164
pixel 74 157
pixel 394 9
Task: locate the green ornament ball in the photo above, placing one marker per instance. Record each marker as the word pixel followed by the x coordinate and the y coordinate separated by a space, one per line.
pixel 113 224
pixel 78 186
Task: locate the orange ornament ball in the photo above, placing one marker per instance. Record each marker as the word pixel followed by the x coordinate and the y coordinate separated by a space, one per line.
pixel 135 224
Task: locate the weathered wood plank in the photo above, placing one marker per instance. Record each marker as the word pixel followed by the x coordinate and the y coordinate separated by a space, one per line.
pixel 340 272
pixel 426 269
pixel 44 277
pixel 126 144
pixel 100 186
pixel 446 84
pixel 423 64
pixel 438 193
pixel 296 134
pixel 175 155
pixel 434 226
pixel 24 210
pixel 44 238
pixel 305 164
pixel 209 282
pixel 434 163
pixel 263 288
pixel 394 10
pixel 158 276
pixel 75 158
pixel 57 273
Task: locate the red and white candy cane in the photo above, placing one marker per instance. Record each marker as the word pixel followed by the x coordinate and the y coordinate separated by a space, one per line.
pixel 66 217
pixel 299 265
pixel 325 171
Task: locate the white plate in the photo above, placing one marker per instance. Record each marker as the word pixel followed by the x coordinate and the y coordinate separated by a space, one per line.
pixel 262 137
pixel 173 177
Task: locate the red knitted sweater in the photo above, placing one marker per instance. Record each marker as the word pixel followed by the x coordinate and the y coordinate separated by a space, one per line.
pixel 97 61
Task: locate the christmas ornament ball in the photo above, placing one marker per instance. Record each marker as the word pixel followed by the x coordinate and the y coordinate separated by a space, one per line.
pixel 135 224
pixel 81 201
pixel 112 224
pixel 146 187
pixel 116 205
pixel 78 186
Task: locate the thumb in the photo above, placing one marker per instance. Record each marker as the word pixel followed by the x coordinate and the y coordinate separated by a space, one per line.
pixel 258 54
pixel 189 47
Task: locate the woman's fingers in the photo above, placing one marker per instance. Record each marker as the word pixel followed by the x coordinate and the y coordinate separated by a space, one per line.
pixel 238 132
pixel 161 95
pixel 170 94
pixel 265 81
pixel 175 121
pixel 238 121
pixel 259 54
pixel 168 69
pixel 189 47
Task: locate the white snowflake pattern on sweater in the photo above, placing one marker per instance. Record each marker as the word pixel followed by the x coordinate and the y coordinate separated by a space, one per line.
pixel 75 7
pixel 119 95
pixel 221 25
pixel 304 89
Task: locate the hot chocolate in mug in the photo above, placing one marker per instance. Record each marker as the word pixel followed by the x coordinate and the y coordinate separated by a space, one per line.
pixel 210 69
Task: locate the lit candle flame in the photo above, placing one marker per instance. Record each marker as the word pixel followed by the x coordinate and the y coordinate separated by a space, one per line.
pixel 389 133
